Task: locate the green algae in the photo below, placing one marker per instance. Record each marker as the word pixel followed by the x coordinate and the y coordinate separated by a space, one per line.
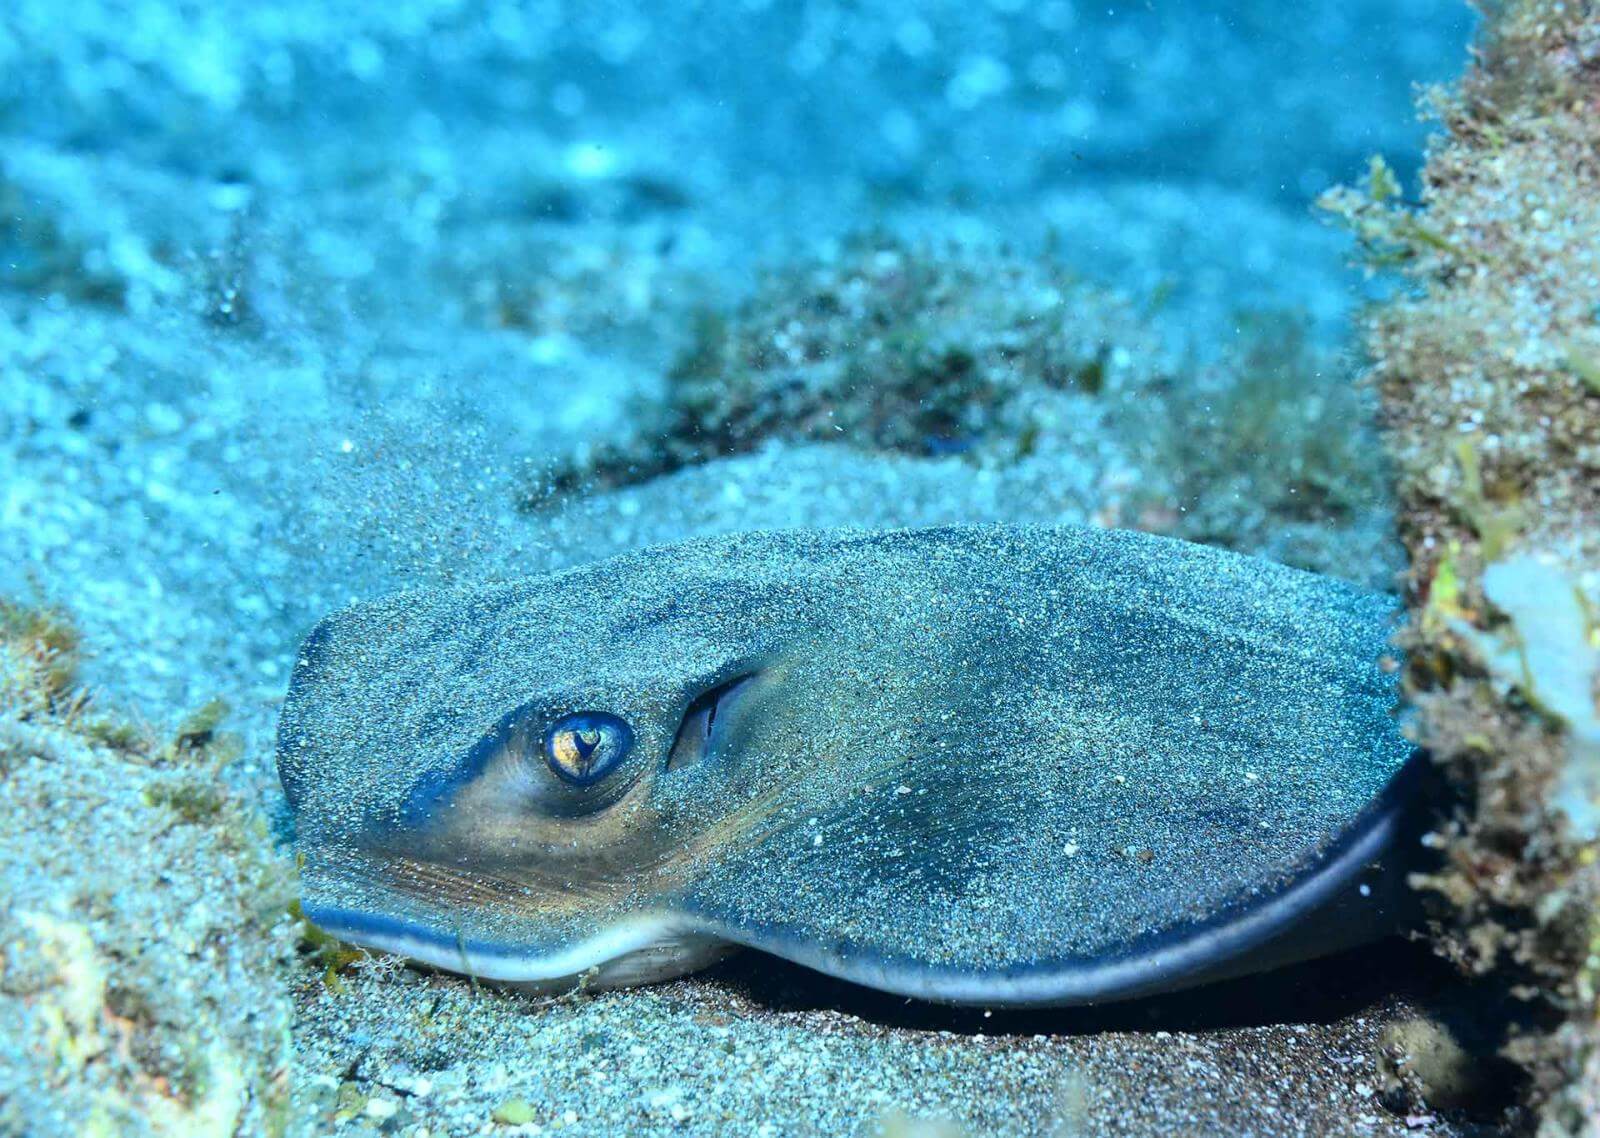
pixel 323 950
pixel 1495 523
pixel 1585 367
pixel 194 802
pixel 1392 233
pixel 198 729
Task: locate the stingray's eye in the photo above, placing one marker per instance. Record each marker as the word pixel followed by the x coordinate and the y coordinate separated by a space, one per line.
pixel 583 748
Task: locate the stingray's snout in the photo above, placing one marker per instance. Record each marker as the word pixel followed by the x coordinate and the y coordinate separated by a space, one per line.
pixel 493 944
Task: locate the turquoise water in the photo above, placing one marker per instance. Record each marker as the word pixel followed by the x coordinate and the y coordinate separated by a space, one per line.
pixel 368 295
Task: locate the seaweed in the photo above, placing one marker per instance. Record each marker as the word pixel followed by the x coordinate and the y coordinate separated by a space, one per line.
pixel 1391 233
pixel 41 649
pixel 1495 523
pixel 195 802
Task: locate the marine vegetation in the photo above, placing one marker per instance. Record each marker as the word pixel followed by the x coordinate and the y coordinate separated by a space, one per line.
pixel 143 975
pixel 885 346
pixel 1486 368
pixel 976 764
pixel 1270 450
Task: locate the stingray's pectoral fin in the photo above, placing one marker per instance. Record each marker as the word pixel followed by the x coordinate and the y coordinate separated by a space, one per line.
pixel 1349 893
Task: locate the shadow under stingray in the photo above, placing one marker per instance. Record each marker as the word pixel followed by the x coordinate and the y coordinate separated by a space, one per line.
pixel 1319 991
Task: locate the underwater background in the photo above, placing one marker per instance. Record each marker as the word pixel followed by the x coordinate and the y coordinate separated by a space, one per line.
pixel 301 304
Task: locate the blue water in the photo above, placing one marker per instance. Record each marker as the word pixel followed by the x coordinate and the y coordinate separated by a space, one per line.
pixel 298 305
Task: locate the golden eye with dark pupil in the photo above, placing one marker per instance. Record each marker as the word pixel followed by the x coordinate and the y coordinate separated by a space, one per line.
pixel 584 747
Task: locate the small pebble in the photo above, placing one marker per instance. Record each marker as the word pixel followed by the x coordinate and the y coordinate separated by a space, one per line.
pixel 513 1112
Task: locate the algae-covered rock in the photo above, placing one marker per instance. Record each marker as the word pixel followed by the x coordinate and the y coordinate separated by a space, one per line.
pixel 1486 370
pixel 144 947
pixel 894 348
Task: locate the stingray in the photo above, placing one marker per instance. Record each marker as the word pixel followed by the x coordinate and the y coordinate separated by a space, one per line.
pixel 976 764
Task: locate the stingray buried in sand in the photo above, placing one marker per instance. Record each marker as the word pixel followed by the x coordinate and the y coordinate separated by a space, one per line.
pixel 975 764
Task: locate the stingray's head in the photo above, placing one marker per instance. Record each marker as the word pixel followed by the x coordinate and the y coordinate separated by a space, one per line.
pixel 518 783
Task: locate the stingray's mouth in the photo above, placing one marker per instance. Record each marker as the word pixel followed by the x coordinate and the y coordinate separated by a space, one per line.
pixel 642 948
